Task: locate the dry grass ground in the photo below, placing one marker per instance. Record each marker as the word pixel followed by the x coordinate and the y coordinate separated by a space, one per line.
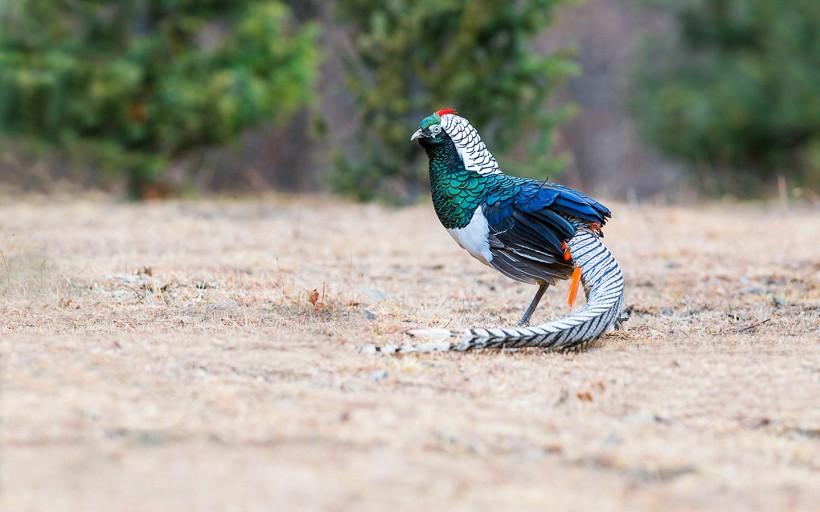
pixel 170 357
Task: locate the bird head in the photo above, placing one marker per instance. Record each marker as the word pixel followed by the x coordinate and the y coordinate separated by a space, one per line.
pixel 430 131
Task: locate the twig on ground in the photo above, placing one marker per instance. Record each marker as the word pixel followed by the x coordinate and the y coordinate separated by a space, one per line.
pixel 750 327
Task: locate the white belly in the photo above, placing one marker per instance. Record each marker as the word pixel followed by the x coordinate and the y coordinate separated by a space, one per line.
pixel 473 237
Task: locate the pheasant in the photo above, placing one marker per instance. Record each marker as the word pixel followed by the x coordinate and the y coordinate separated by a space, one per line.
pixel 530 230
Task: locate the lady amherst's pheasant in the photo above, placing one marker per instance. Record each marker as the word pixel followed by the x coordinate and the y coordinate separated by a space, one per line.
pixel 529 230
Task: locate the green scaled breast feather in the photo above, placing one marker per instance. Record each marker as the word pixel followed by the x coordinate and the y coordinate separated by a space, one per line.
pixel 456 196
pixel 457 192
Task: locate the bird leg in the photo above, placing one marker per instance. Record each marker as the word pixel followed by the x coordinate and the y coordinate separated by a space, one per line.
pixel 525 320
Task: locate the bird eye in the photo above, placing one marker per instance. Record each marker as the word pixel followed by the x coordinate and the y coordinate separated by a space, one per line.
pixel 435 129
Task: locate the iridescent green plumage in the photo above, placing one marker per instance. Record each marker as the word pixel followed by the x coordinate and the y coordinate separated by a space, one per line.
pixel 456 191
pixel 429 121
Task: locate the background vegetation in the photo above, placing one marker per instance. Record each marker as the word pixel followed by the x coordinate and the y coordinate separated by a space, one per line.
pixel 410 58
pixel 736 89
pixel 134 84
pixel 725 90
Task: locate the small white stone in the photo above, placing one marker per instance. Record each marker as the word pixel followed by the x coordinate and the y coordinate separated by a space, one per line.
pixel 389 349
pixel 430 333
pixel 378 375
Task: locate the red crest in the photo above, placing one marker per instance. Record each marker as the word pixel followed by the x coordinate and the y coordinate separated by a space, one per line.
pixel 444 111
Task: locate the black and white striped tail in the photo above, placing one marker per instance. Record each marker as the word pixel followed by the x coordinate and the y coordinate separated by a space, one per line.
pixel 603 283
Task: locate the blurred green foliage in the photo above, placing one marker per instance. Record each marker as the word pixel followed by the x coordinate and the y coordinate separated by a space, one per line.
pixel 136 83
pixel 738 90
pixel 412 57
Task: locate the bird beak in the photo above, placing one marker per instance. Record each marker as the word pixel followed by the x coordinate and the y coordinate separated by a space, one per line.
pixel 417 135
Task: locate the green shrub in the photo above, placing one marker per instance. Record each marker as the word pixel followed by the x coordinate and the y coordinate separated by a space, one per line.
pixel 413 57
pixel 737 90
pixel 136 83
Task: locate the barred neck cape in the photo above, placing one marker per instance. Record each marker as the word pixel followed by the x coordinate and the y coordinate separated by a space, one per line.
pixel 469 145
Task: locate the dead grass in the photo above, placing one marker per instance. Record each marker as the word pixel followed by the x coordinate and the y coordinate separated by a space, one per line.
pixel 174 356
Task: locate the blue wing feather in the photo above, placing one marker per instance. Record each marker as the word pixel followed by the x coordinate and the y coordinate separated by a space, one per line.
pixel 529 221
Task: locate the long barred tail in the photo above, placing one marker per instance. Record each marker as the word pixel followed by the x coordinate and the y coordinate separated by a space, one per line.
pixel 604 286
